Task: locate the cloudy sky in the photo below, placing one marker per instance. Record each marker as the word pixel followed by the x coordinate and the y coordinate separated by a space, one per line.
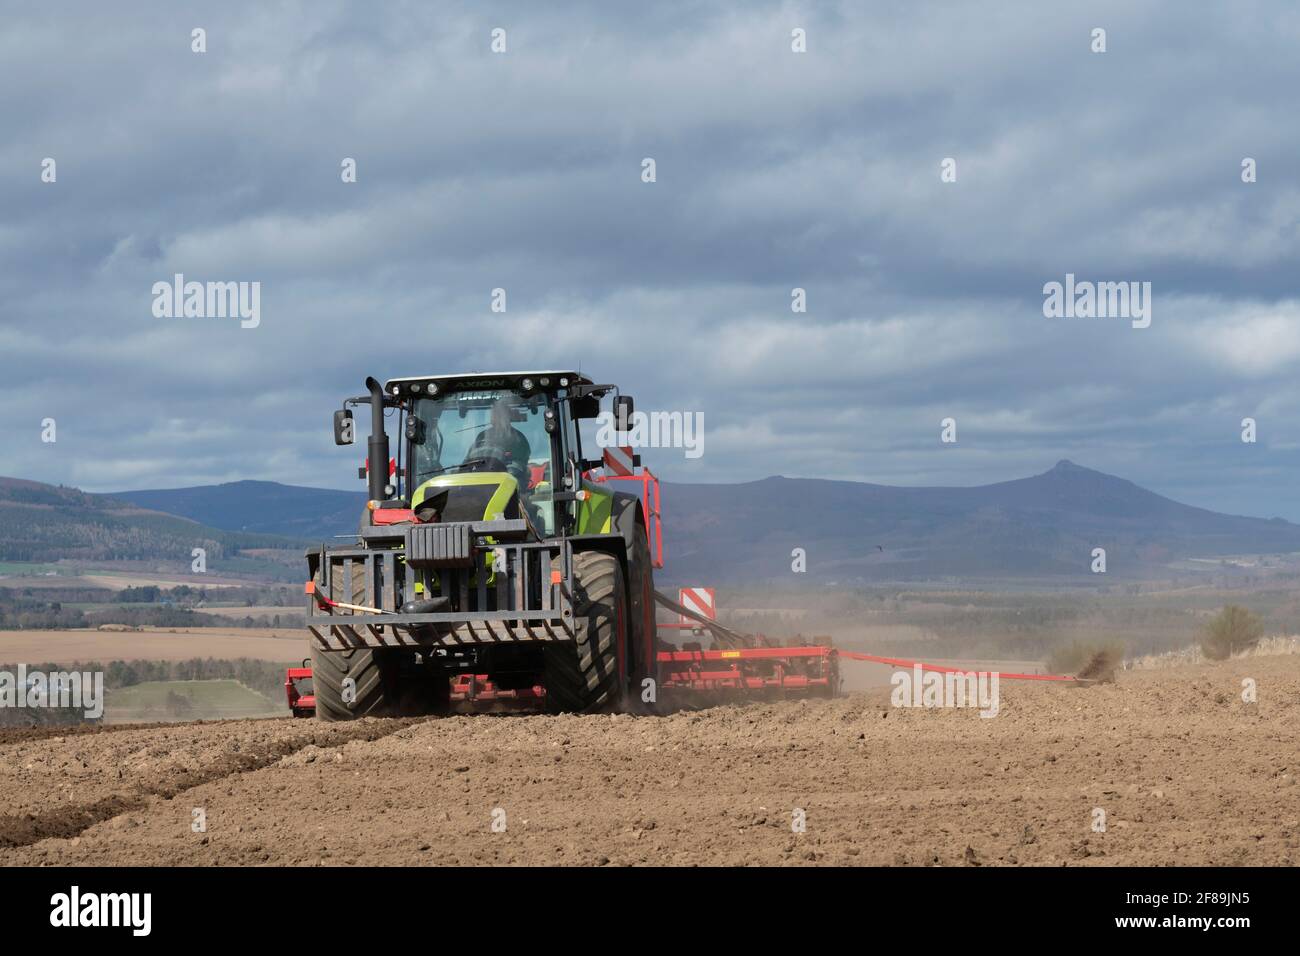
pixel 775 169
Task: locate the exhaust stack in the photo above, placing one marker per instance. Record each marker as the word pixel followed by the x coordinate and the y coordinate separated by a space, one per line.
pixel 377 446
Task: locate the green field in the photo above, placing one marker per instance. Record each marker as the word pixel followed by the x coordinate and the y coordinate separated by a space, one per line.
pixel 188 700
pixel 24 567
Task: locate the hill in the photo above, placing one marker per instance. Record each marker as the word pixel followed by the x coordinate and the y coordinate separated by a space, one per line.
pixel 264 507
pixel 42 523
pixel 1045 525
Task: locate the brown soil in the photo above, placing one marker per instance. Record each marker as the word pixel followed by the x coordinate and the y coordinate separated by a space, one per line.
pixel 154 644
pixel 1185 771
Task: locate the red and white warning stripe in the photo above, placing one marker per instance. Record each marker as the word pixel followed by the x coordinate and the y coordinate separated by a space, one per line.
pixel 618 461
pixel 699 600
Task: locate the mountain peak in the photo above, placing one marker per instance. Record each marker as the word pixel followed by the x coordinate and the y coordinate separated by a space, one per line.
pixel 1069 470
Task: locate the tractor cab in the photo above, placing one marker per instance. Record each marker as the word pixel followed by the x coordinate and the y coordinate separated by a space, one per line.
pixel 485 447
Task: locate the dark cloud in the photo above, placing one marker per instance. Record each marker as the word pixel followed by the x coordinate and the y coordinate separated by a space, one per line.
pixel 775 170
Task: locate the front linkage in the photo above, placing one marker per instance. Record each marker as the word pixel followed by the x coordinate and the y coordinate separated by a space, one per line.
pixel 430 585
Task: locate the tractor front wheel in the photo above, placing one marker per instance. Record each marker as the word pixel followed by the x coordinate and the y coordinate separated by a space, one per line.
pixel 374 682
pixel 352 683
pixel 378 682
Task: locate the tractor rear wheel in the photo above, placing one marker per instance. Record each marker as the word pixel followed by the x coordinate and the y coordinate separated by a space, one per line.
pixel 644 632
pixel 587 674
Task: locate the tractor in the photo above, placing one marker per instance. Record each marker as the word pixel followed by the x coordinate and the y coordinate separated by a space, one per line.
pixel 486 548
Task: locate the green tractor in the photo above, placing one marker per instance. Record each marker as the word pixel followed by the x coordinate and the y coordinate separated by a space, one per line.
pixel 486 548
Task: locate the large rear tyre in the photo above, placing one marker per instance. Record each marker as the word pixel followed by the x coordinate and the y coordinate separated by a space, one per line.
pixel 643 629
pixel 588 673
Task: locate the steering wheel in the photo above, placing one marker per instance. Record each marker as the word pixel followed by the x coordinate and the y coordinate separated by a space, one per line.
pixel 484 463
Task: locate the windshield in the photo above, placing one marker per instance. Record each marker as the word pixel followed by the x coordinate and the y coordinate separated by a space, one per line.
pixel 499 430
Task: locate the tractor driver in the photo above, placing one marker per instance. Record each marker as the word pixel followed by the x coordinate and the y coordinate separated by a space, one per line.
pixel 502 441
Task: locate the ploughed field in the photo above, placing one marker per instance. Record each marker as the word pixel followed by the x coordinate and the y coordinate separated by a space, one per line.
pixel 1184 771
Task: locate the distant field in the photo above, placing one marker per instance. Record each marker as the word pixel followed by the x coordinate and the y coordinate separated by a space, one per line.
pixel 186 700
pixel 253 612
pixel 950 622
pixel 120 582
pixel 23 567
pixel 113 581
pixel 158 644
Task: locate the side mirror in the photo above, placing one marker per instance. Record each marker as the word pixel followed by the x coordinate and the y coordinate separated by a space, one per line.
pixel 343 434
pixel 623 410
